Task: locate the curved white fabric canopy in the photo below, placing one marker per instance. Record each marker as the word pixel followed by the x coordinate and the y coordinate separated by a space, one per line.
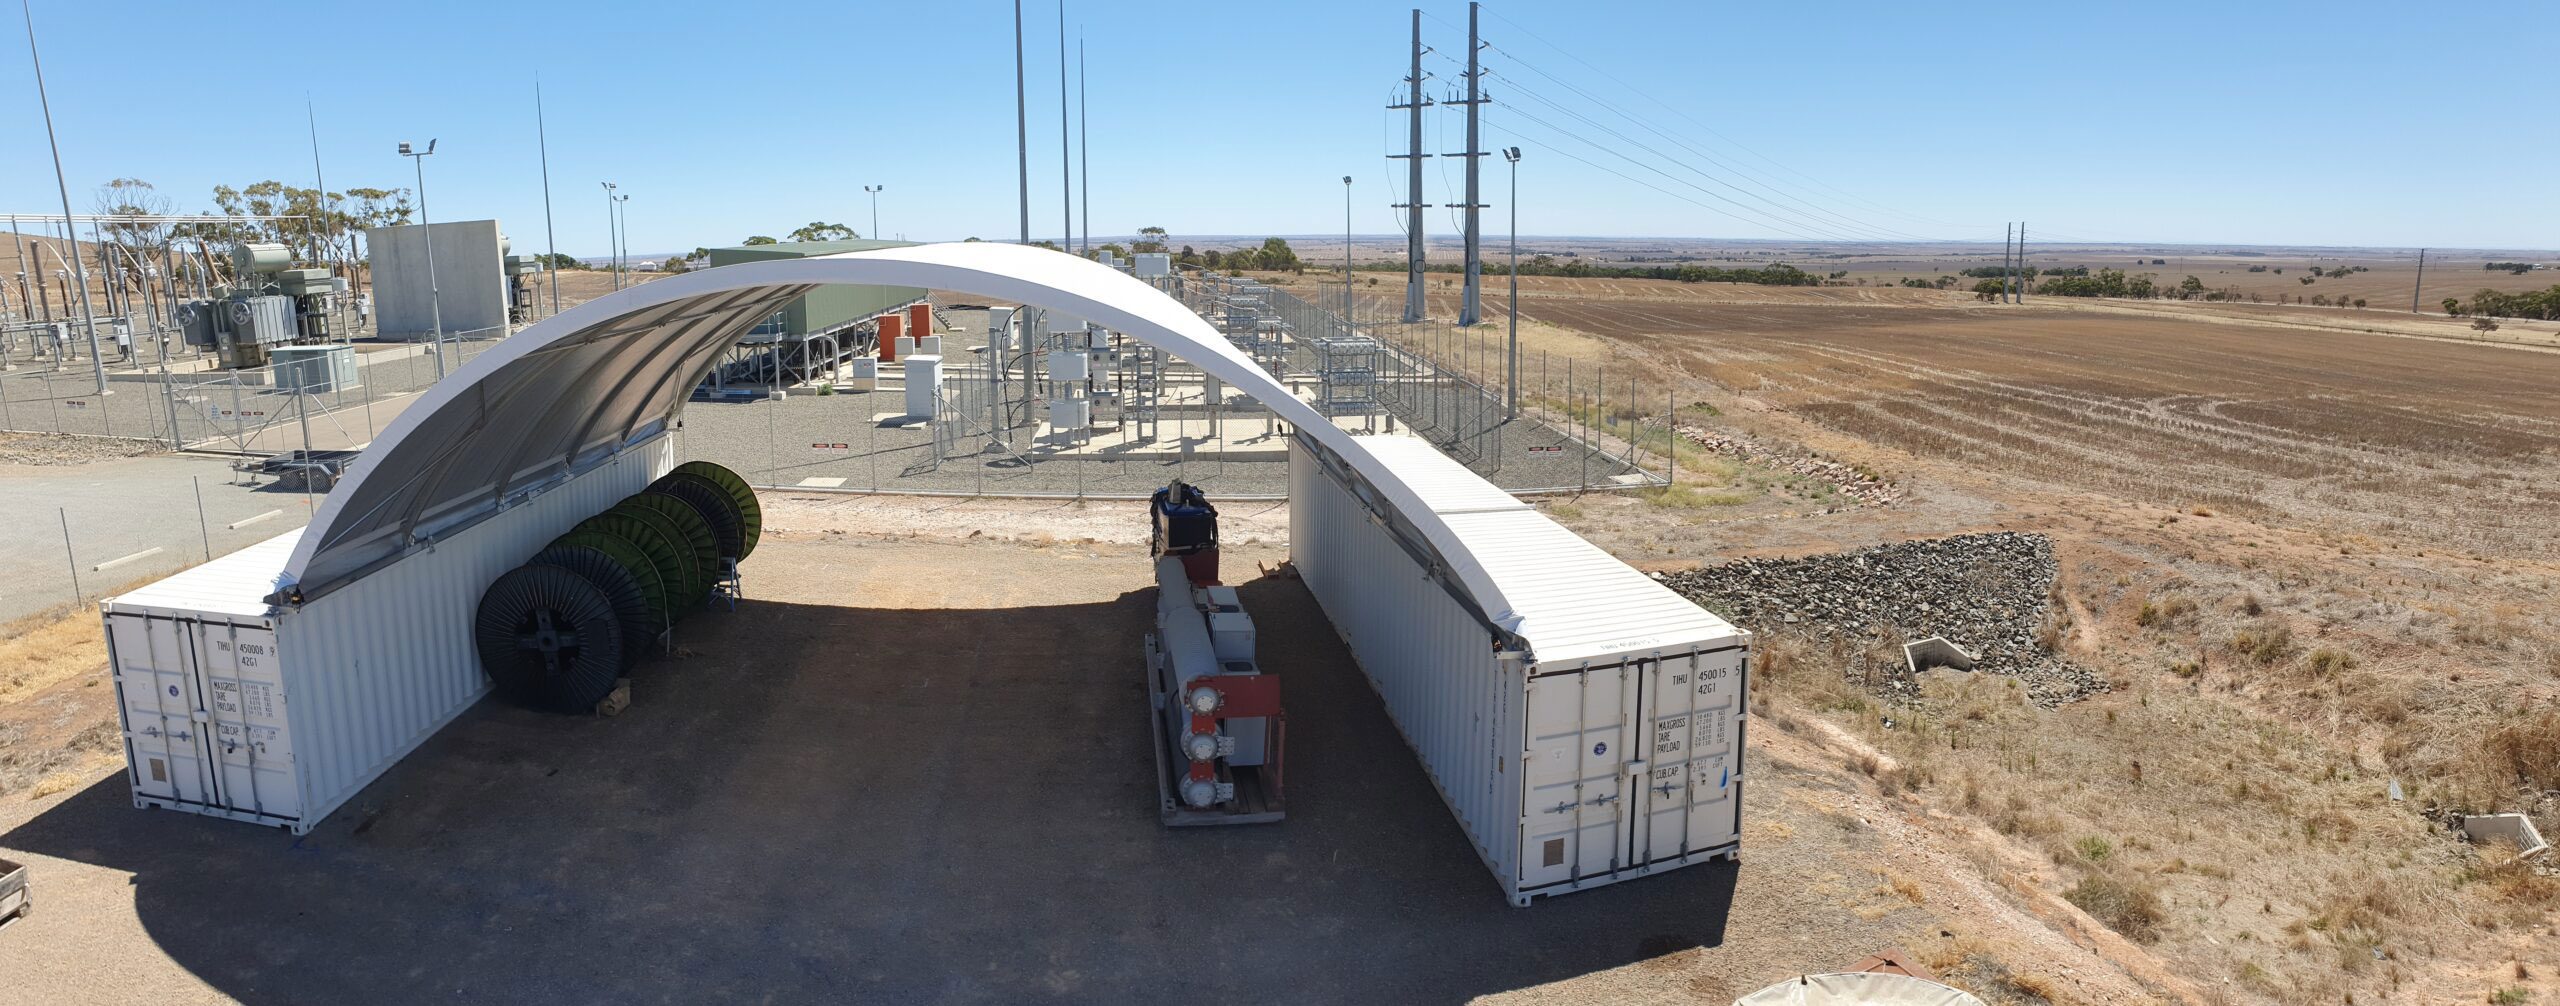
pixel 573 389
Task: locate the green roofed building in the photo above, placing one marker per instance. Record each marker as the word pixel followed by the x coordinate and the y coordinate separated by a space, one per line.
pixel 828 308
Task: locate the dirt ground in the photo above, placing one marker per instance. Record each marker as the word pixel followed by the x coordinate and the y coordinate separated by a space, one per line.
pixel 916 769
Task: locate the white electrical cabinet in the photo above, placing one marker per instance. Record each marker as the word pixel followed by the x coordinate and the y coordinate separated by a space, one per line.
pixel 1588 730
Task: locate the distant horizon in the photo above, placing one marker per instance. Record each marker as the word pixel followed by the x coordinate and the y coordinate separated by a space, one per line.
pixel 1495 246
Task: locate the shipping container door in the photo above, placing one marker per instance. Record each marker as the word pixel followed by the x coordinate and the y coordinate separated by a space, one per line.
pixel 244 693
pixel 1691 706
pixel 1574 820
pixel 156 684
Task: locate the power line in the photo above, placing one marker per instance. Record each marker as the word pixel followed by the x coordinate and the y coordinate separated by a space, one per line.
pixel 1711 131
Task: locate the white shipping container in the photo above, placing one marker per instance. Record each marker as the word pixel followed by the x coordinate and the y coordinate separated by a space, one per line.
pixel 1587 731
pixel 236 707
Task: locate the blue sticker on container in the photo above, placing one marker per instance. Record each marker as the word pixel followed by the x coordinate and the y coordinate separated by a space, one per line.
pixel 1596 749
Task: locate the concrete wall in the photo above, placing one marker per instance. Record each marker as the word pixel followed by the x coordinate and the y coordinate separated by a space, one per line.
pixel 470 272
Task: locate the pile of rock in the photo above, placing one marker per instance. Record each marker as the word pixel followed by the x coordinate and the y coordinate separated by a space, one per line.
pixel 1988 593
pixel 1846 480
pixel 69 449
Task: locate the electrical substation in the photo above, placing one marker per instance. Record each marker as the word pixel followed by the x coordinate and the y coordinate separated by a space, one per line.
pixel 527 528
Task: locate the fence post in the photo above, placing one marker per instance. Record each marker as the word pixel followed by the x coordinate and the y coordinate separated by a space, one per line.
pixel 202 527
pixel 67 555
pixel 1671 438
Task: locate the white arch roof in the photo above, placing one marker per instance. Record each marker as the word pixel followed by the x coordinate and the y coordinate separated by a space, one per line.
pixel 577 387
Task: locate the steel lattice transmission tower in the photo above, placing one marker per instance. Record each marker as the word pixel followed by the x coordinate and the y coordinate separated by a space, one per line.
pixel 1413 155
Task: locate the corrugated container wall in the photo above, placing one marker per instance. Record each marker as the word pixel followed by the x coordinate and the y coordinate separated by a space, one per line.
pixel 1597 740
pixel 238 709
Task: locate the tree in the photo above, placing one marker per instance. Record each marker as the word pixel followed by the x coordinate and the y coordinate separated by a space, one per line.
pixel 1150 239
pixel 2190 287
pixel 1276 255
pixel 759 239
pixel 821 231
pixel 556 260
pixel 674 263
pixel 1115 250
pixel 2453 307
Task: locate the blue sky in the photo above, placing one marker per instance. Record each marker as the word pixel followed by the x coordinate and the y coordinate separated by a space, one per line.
pixel 2314 123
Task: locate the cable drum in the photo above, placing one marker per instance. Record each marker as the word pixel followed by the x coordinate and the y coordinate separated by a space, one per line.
pixel 630 602
pixel 751 513
pixel 643 572
pixel 549 639
pixel 668 553
pixel 685 525
pixel 716 508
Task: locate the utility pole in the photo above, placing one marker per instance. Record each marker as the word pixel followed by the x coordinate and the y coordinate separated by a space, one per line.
pixel 2422 281
pixel 1084 144
pixel 1470 304
pixel 2006 236
pixel 542 135
pixel 2023 277
pixel 1066 164
pixel 1021 126
pixel 1413 155
pixel 80 271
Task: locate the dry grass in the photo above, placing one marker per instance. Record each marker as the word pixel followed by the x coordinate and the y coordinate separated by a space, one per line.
pixel 45 649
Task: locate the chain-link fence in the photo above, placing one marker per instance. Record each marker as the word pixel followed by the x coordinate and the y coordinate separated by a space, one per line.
pixel 185 400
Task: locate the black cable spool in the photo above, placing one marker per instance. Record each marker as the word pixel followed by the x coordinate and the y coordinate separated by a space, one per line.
pixel 549 638
pixel 640 625
pixel 653 584
pixel 686 526
pixel 716 508
pixel 666 550
pixel 751 513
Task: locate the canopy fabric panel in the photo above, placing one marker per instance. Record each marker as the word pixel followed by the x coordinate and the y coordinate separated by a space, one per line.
pixel 579 386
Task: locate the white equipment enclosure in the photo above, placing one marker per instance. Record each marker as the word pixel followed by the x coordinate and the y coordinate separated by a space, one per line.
pixel 1583 721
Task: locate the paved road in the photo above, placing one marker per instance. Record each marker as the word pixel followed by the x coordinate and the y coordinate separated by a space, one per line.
pixel 118 508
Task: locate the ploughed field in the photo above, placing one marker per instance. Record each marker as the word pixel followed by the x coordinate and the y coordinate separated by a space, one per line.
pixel 2435 442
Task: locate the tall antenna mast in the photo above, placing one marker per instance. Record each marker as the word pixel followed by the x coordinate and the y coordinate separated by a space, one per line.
pixel 1066 164
pixel 542 135
pixel 1413 155
pixel 1021 126
pixel 1084 143
pixel 319 199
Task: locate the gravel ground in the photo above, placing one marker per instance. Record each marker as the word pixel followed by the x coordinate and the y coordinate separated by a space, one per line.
pixel 1989 593
pixel 50 450
pixel 779 443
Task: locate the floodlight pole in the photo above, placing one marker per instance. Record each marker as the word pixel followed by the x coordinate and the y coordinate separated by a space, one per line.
pixel 612 240
pixel 97 359
pixel 427 233
pixel 1511 372
pixel 1346 255
pixel 875 208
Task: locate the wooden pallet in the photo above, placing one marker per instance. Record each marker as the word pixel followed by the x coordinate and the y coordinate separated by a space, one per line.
pixel 1256 802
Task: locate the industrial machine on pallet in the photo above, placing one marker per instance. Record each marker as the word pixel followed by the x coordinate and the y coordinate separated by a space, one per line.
pixel 273 304
pixel 521 270
pixel 1217 719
